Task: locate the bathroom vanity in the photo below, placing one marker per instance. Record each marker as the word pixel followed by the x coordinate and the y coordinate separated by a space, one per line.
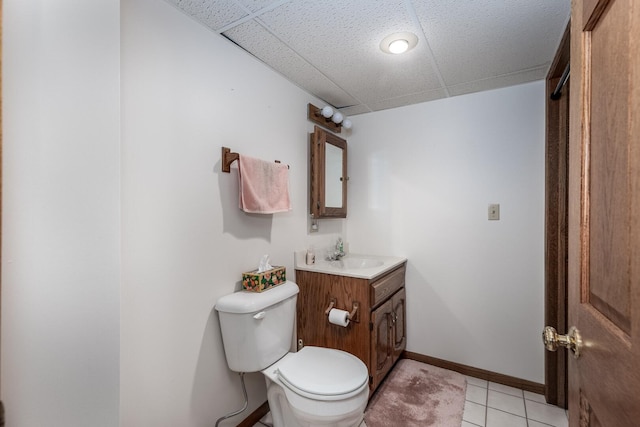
pixel 377 332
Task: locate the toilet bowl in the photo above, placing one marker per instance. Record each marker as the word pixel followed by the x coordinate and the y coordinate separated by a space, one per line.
pixel 315 386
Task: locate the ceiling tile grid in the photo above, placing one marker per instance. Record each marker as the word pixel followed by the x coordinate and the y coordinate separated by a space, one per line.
pixel 346 48
pixel 331 48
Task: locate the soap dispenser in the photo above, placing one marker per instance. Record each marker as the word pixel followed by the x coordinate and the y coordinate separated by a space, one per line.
pixel 311 256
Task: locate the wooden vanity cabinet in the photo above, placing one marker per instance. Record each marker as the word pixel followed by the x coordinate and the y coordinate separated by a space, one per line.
pixel 377 335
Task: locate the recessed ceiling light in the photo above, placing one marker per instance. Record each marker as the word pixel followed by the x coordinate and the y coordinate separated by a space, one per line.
pixel 398 43
pixel 398 46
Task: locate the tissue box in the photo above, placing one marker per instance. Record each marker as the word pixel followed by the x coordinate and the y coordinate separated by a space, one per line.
pixel 258 282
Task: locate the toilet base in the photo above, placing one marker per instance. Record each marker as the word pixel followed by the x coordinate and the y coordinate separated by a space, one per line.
pixel 285 415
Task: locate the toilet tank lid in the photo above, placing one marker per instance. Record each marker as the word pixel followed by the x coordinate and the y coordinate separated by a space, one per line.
pixel 243 302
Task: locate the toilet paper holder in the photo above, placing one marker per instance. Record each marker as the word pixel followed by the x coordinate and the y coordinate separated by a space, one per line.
pixel 353 314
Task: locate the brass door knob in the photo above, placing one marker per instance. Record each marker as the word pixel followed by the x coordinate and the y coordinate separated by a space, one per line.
pixel 572 341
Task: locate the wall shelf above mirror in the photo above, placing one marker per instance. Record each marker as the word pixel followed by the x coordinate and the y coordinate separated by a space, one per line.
pixel 328 175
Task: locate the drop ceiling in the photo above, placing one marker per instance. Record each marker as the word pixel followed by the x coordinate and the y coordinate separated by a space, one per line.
pixel 331 48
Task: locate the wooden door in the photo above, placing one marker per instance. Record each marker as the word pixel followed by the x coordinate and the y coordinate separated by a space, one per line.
pixel 604 217
pixel 398 302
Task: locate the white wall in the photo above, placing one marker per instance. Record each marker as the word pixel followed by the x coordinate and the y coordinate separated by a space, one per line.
pixel 76 349
pixel 61 219
pixel 185 93
pixel 421 180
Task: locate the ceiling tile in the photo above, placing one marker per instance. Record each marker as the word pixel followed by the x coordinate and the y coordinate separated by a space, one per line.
pixel 356 109
pixel 499 81
pixel 414 98
pixel 477 40
pixel 346 46
pixel 331 49
pixel 253 37
pixel 256 5
pixel 214 14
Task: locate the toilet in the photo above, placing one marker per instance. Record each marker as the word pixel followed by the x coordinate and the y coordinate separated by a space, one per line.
pixel 314 387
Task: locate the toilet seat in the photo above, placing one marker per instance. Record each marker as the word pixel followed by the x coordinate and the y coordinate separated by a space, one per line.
pixel 323 374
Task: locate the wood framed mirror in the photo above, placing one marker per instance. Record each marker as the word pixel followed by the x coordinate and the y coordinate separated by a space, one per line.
pixel 328 175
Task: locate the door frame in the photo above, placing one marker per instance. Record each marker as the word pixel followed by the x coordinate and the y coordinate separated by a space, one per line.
pixel 1 405
pixel 556 219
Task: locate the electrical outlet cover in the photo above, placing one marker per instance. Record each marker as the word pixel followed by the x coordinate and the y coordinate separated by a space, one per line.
pixel 494 212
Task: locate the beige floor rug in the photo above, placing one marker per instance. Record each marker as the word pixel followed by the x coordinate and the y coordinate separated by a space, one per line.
pixel 417 394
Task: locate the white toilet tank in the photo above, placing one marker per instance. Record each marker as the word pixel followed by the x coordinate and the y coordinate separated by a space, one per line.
pixel 257 327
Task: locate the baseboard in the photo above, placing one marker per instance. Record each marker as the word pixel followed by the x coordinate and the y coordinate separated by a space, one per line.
pixel 255 416
pixel 477 373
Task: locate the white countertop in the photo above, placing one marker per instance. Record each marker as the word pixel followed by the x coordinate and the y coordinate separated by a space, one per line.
pixel 352 265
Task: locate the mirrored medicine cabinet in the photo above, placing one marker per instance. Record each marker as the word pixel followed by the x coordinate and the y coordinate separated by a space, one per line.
pixel 328 175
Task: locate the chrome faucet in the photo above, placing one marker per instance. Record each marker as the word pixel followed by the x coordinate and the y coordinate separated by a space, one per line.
pixel 338 251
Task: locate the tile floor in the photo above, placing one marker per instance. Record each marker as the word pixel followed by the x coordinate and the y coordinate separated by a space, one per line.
pixel 495 405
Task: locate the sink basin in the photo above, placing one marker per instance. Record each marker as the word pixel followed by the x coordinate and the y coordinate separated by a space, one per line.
pixel 356 263
pixel 353 265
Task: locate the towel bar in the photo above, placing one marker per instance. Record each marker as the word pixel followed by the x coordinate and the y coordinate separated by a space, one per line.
pixel 229 157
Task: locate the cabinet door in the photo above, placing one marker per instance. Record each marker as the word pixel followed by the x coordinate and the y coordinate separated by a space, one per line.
pixel 398 323
pixel 381 343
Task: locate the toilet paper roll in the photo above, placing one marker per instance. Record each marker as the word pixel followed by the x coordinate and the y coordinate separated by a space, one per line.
pixel 339 317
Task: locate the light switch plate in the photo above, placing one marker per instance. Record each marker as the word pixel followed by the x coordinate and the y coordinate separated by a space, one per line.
pixel 494 212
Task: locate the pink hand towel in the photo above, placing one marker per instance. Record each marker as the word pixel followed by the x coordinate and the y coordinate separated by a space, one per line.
pixel 264 186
